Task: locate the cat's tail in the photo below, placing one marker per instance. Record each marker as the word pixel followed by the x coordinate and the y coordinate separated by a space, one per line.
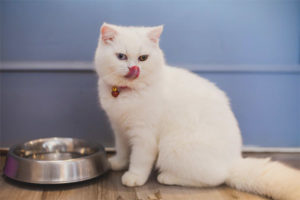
pixel 265 177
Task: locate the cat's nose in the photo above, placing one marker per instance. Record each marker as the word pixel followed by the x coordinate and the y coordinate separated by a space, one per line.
pixel 134 72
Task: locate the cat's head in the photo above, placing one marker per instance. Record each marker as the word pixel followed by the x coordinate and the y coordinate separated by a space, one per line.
pixel 128 56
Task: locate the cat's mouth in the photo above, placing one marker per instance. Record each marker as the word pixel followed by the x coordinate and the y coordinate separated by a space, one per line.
pixel 133 72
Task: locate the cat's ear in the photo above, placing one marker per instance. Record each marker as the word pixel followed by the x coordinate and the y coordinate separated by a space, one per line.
pixel 108 33
pixel 155 33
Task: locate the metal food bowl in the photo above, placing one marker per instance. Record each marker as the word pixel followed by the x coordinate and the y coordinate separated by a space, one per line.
pixel 55 161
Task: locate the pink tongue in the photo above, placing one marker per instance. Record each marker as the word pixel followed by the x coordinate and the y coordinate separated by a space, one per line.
pixel 133 73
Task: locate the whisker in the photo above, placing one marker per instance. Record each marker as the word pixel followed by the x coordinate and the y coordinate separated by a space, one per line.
pixel 146 70
pixel 107 75
pixel 120 70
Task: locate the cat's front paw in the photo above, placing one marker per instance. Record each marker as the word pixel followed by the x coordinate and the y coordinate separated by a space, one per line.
pixel 131 179
pixel 117 163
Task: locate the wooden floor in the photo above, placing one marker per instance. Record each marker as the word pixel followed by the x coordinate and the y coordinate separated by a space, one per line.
pixel 109 187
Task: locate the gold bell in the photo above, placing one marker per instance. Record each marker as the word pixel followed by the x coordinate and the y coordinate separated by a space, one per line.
pixel 115 91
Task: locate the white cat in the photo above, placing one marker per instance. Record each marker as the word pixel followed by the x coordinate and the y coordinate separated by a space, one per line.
pixel 176 119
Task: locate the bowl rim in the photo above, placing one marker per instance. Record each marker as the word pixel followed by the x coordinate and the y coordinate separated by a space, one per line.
pixel 96 144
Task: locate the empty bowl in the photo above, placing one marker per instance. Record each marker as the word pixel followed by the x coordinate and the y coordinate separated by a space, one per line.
pixel 55 161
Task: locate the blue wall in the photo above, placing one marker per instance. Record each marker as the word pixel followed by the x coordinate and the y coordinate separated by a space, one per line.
pixel 265 104
pixel 196 32
pixel 48 104
pixel 256 45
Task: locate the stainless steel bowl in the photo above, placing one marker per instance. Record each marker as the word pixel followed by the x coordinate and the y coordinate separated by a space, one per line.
pixel 55 161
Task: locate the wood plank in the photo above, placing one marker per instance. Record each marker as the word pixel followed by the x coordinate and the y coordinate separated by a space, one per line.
pixel 155 191
pixel 15 190
pixel 75 191
pixel 109 187
pixel 112 188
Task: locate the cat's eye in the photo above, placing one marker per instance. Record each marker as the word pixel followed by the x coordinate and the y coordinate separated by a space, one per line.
pixel 121 56
pixel 143 57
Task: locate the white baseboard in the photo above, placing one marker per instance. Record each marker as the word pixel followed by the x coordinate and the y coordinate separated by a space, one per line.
pixel 271 149
pixel 89 66
pixel 47 66
pixel 248 149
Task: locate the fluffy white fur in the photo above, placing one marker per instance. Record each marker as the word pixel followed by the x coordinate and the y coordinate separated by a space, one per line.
pixel 178 120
